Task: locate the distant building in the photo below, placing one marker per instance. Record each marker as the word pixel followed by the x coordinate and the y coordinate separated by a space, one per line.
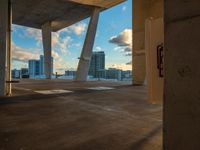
pixel 24 73
pixel 97 65
pixel 42 65
pixel 41 72
pixel 113 73
pixel 36 67
pixel 127 75
pixel 70 73
pixel 16 74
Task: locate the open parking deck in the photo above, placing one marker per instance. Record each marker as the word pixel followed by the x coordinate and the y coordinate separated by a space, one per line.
pixel 112 116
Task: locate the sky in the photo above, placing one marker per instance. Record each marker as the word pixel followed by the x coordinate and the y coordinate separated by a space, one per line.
pixel 114 37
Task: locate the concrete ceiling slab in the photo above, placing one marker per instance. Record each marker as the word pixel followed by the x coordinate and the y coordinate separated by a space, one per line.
pixel 61 13
pixel 99 3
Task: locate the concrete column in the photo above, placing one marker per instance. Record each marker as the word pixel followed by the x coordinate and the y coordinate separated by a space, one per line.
pixel 142 9
pixel 84 62
pixel 9 52
pixel 46 38
pixel 182 75
pixel 154 36
pixel 5 47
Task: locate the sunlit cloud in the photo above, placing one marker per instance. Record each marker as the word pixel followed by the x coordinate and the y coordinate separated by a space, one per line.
pixel 123 39
pixel 22 54
pixel 125 66
pixel 78 29
pixel 123 42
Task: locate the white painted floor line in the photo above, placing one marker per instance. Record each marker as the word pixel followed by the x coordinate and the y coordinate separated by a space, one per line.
pixel 54 92
pixel 21 88
pixel 100 88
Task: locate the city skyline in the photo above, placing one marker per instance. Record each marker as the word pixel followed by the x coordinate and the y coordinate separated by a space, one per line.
pixel 40 60
pixel 114 36
pixel 97 70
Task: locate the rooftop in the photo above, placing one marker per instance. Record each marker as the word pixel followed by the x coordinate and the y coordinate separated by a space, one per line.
pixel 95 115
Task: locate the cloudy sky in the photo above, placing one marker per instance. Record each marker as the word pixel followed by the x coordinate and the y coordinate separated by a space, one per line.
pixel 114 36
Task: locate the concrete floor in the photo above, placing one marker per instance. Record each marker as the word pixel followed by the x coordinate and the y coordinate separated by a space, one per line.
pixel 118 119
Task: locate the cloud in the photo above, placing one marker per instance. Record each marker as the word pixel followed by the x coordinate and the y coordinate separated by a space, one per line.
pixel 128 51
pixel 129 63
pixel 60 65
pixel 23 55
pixel 35 34
pixel 123 42
pixel 124 8
pixel 55 55
pixel 63 45
pixel 122 66
pixel 98 48
pixel 77 44
pixel 123 39
pixel 78 29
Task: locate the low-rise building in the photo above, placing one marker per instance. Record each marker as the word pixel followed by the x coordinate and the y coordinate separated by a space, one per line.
pixel 24 73
pixel 16 74
pixel 113 73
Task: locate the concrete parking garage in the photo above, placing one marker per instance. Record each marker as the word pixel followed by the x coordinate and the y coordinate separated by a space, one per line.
pixel 118 118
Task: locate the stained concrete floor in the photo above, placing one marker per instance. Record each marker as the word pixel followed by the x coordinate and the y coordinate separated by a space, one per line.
pixel 118 119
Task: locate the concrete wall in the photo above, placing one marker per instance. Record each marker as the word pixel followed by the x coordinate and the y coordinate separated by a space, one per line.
pixel 142 9
pixel 182 75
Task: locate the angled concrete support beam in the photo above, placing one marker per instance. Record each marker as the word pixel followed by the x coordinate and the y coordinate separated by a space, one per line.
pixel 46 38
pixel 5 47
pixel 84 62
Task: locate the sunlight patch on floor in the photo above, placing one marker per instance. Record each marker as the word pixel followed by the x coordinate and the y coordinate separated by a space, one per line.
pixel 100 88
pixel 54 92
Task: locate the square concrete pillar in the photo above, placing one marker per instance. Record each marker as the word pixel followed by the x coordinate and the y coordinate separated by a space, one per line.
pixel 5 47
pixel 47 46
pixel 84 62
pixel 182 75
pixel 142 9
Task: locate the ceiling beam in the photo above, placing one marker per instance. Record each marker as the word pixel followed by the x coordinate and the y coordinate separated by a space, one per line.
pixel 99 3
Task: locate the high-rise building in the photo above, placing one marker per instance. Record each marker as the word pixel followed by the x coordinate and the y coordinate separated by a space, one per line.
pixel 36 67
pixel 97 65
pixel 42 65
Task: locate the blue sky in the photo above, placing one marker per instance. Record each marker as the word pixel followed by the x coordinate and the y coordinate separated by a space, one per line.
pixel 114 36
